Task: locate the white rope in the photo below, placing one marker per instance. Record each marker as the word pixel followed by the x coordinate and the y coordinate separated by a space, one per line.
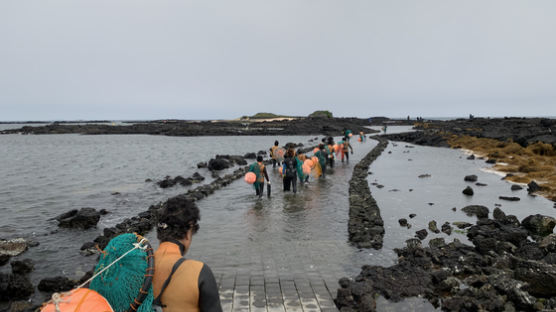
pixel 136 246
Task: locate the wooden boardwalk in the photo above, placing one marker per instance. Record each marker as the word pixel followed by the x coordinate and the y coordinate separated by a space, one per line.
pixel 256 293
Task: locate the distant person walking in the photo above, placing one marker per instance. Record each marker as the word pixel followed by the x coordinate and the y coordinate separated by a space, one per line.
pixel 289 171
pixel 344 149
pixel 322 157
pixel 273 154
pixel 259 170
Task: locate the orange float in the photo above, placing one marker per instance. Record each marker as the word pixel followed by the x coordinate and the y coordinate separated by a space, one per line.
pixel 78 300
pixel 250 177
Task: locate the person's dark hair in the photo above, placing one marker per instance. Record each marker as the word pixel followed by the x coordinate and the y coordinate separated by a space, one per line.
pixel 299 152
pixel 290 152
pixel 276 143
pixel 177 216
pixel 321 146
pixel 259 158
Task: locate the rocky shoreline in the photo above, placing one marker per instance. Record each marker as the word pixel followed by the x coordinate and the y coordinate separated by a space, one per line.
pixel 510 267
pixel 301 126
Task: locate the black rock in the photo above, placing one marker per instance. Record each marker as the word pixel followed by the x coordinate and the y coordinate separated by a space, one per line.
pixel 509 198
pixel 446 228
pixel 539 224
pixel 15 287
pixel 477 210
pixel 85 218
pixel 462 225
pixel 498 214
pixel 533 187
pixel 433 227
pixel 470 178
pixel 412 215
pixel 468 191
pixel 516 187
pixel 66 215
pixel 454 209
pixel 87 245
pixel 480 184
pixel 491 161
pixel 22 266
pixel 471 157
pixel 403 222
pixel 218 164
pixel 202 164
pixel 4 259
pixel 421 234
pixel 104 212
pixel 56 284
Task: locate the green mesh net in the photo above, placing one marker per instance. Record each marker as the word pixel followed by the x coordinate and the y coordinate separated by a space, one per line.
pixel 121 283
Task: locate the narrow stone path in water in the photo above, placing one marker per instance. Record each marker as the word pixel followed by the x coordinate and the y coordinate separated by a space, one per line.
pixel 284 253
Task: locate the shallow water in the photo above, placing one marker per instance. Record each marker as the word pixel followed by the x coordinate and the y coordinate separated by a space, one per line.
pixel 46 175
pixel 287 235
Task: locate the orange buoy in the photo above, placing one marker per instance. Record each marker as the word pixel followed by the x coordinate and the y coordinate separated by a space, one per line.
pixel 306 169
pixel 78 300
pixel 315 160
pixel 250 177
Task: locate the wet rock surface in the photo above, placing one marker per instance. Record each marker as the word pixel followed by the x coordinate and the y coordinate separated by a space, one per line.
pixel 169 182
pixel 56 284
pixel 502 271
pixel 470 178
pixel 12 247
pixel 365 226
pixel 83 218
pixel 476 210
pixel 468 191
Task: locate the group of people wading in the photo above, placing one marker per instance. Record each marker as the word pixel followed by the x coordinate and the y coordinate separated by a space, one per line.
pixel 292 165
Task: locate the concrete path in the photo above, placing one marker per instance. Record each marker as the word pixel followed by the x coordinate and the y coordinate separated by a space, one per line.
pixel 256 293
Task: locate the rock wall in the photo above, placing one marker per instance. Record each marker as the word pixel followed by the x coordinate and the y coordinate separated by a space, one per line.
pixel 365 227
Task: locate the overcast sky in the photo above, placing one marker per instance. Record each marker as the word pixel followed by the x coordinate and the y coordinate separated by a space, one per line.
pixel 138 59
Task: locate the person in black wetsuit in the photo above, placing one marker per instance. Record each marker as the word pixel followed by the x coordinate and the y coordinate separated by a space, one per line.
pixel 289 171
pixel 191 285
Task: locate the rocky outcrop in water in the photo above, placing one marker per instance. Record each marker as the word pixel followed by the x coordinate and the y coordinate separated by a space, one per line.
pixel 83 218
pixel 169 182
pixel 13 247
pixel 502 271
pixel 365 226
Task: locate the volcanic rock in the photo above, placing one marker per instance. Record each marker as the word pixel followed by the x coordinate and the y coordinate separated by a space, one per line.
pixel 477 210
pixel 22 266
pixel 433 227
pixel 498 214
pixel 15 287
pixel 421 234
pixel 539 224
pixel 470 178
pixel 218 164
pixel 468 191
pixel 516 187
pixel 85 218
pixel 56 284
pixel 533 187
pixel 462 225
pixel 446 228
pixel 13 247
pixel 509 198
pixel 403 222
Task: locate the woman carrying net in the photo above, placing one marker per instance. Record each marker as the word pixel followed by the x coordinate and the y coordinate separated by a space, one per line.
pixel 181 284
